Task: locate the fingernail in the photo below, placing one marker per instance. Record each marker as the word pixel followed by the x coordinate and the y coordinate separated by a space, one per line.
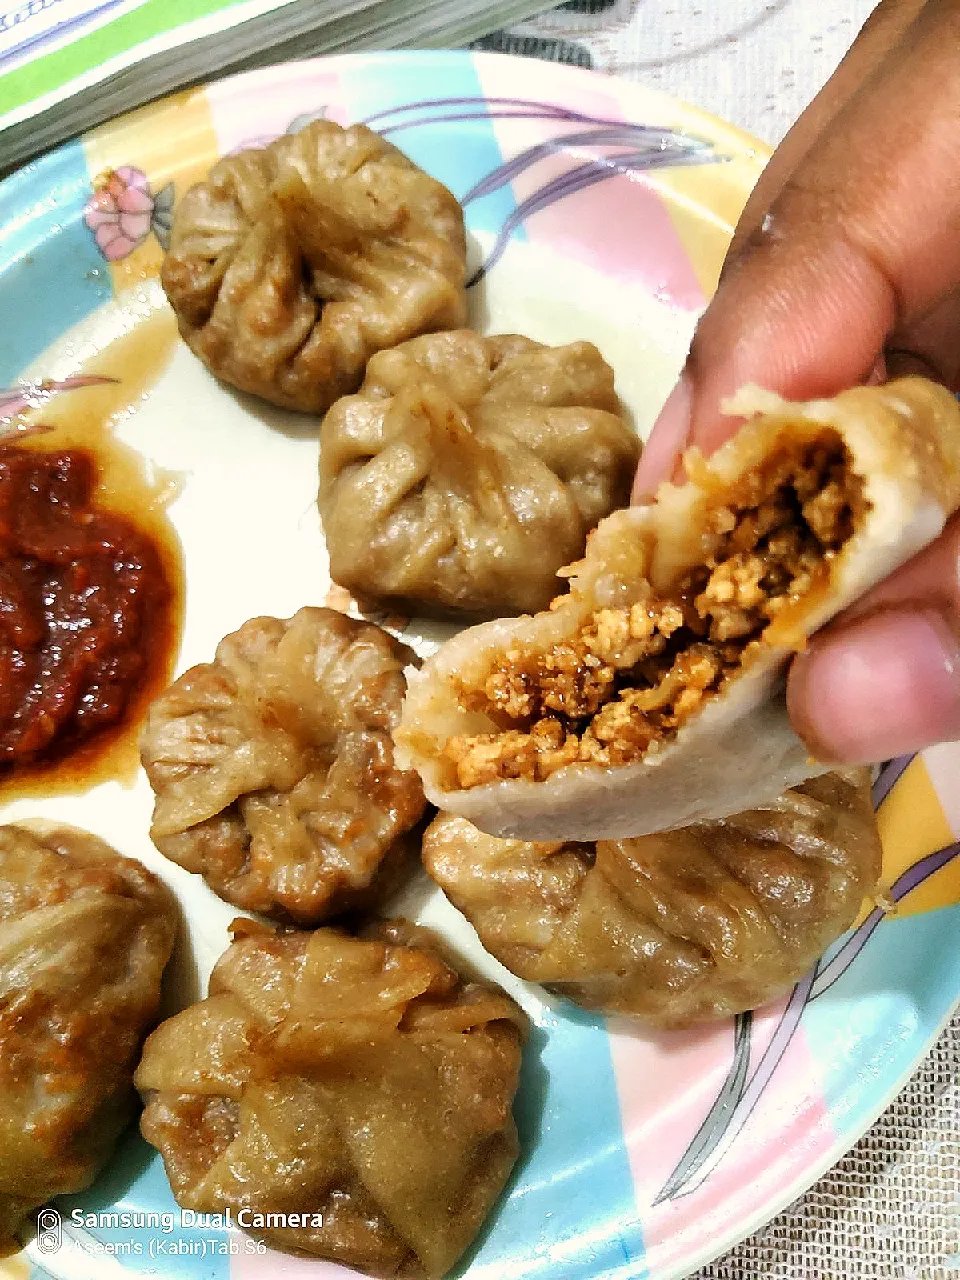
pixel 667 440
pixel 879 688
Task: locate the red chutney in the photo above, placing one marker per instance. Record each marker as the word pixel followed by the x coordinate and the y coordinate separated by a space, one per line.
pixel 86 607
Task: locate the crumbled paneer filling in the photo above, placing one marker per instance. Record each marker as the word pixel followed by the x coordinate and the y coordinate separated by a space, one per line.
pixel 634 675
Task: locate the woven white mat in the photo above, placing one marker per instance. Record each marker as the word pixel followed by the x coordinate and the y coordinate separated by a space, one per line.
pixel 891 1207
pixel 754 62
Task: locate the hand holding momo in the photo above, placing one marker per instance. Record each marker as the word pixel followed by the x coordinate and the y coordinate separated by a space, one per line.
pixel 845 270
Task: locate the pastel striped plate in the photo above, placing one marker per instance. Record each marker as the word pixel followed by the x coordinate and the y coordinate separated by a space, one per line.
pixel 598 210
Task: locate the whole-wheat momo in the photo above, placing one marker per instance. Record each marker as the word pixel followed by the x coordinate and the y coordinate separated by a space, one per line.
pixel 468 470
pixel 677 927
pixel 273 767
pixel 291 264
pixel 652 696
pixel 84 938
pixel 346 1098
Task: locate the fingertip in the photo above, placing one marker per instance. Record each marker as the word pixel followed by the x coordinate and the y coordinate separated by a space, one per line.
pixel 667 441
pixel 880 687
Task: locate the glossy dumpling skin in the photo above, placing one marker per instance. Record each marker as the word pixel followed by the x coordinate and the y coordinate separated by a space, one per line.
pixel 292 263
pixel 681 927
pixel 84 938
pixel 358 1079
pixel 467 471
pixel 273 766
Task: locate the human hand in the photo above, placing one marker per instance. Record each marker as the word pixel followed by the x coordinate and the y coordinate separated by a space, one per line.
pixel 845 269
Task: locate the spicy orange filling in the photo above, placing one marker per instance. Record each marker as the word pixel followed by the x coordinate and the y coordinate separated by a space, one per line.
pixel 634 675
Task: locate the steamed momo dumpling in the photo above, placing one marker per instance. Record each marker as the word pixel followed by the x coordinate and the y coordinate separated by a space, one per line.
pixel 290 265
pixel 676 928
pixel 348 1098
pixel 84 938
pixel 273 767
pixel 467 471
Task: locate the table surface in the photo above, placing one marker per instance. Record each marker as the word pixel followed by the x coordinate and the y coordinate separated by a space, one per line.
pixel 891 1207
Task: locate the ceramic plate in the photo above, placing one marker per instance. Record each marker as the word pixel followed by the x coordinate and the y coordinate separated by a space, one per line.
pixel 597 210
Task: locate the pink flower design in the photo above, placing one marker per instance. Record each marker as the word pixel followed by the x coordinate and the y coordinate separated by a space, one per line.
pixel 122 212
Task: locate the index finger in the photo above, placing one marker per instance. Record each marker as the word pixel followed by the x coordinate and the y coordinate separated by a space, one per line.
pixel 860 242
pixel 882 31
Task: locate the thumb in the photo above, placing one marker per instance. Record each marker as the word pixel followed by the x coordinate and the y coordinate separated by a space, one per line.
pixel 884 679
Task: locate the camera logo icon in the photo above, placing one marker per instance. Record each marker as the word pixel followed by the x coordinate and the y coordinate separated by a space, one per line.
pixel 49 1231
